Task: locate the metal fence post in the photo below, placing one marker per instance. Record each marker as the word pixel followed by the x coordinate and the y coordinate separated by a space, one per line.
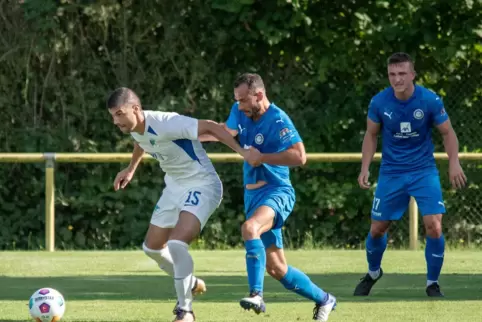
pixel 413 223
pixel 49 201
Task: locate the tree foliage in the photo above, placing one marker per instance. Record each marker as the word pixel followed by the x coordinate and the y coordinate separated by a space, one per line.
pixel 321 61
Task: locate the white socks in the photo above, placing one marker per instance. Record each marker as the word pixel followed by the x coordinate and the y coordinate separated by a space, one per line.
pixel 163 259
pixel 183 269
pixel 429 282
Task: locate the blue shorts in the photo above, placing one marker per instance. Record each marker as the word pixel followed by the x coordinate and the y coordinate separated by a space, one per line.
pixel 281 200
pixel 393 193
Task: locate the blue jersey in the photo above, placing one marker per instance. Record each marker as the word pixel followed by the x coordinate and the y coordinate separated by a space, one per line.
pixel 406 129
pixel 273 132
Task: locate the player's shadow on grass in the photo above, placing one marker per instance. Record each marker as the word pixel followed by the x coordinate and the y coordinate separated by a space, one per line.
pixel 392 287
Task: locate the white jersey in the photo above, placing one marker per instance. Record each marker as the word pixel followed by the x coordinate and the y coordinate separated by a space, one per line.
pixel 172 139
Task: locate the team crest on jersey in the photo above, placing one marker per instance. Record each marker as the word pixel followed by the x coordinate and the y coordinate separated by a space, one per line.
pixel 259 138
pixel 152 141
pixel 418 114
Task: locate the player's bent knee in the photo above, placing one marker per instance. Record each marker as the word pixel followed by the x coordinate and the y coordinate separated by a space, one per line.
pixel 155 254
pixel 161 256
pixel 250 230
pixel 156 237
pixel 433 225
pixel 155 245
pixel 434 232
pixel 379 228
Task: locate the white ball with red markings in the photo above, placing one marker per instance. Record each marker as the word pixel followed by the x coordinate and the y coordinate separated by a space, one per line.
pixel 46 305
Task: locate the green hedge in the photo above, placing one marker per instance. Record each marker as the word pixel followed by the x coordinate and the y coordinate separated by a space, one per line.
pixel 321 61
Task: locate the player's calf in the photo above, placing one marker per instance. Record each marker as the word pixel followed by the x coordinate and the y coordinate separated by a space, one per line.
pixel 183 268
pixel 434 253
pixel 252 230
pixel 187 228
pixel 255 264
pixel 376 243
pixel 298 282
pixel 163 258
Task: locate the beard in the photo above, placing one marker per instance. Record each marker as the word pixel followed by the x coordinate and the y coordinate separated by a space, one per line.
pixel 255 112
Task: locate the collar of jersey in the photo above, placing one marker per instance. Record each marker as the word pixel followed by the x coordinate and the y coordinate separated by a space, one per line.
pixel 406 102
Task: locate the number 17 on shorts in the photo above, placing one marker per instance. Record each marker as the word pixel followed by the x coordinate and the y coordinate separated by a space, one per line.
pixel 375 208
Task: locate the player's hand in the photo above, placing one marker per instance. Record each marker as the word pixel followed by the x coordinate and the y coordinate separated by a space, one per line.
pixel 123 178
pixel 253 157
pixel 363 180
pixel 244 153
pixel 457 175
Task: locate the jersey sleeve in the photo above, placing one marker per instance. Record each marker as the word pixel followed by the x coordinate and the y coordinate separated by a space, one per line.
pixel 287 133
pixel 174 126
pixel 232 122
pixel 373 111
pixel 437 110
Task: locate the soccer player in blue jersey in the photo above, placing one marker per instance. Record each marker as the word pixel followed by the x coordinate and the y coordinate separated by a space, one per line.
pixel 405 114
pixel 274 145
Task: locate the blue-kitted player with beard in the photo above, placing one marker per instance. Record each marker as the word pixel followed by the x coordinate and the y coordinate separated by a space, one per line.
pixel 274 145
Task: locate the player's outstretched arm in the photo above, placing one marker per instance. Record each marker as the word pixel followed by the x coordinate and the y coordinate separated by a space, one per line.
pixel 369 147
pixel 137 155
pixel 125 176
pixel 294 156
pixel 451 144
pixel 211 138
pixel 207 127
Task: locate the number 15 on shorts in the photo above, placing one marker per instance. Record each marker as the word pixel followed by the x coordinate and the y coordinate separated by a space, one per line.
pixel 192 198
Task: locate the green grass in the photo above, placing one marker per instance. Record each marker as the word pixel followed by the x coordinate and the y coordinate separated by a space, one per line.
pixel 128 286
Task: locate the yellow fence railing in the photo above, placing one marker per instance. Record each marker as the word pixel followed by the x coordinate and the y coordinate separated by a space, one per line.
pixel 51 158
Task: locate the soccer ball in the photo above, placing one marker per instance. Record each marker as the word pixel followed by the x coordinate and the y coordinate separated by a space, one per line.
pixel 46 305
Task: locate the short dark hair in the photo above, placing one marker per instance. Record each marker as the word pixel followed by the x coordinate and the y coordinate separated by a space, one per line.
pixel 398 58
pixel 122 96
pixel 252 80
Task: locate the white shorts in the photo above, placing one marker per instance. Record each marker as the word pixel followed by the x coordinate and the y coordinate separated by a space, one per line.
pixel 200 200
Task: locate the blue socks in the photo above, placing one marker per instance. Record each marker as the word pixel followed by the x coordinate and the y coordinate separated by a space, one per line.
pixel 294 280
pixel 255 264
pixel 298 282
pixel 434 255
pixel 375 247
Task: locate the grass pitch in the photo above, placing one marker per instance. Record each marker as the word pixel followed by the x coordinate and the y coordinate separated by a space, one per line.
pixel 127 286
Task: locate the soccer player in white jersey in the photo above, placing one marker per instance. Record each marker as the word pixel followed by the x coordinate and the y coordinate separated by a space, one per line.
pixel 193 189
